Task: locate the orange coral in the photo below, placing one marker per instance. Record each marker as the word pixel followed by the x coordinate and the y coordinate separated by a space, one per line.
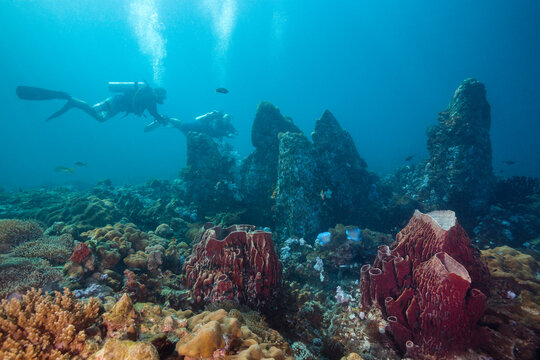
pixel 46 327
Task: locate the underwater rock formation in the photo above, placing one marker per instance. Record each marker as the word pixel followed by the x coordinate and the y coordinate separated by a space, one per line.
pixel 259 170
pixel 209 175
pixel 459 172
pixel 341 174
pixel 298 204
pixel 429 285
pixel 237 263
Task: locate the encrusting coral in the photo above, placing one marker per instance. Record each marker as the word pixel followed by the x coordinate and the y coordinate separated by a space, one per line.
pixel 46 327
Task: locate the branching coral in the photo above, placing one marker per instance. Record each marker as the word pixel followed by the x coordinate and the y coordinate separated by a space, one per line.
pixel 18 274
pixel 46 327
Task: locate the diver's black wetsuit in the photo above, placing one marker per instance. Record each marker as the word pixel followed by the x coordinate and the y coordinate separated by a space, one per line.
pixel 136 102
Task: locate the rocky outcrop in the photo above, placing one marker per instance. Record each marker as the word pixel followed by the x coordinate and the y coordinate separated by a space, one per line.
pixel 258 173
pixel 459 172
pixel 209 175
pixel 298 203
pixel 344 180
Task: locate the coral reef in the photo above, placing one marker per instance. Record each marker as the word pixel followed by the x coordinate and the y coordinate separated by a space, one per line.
pixel 43 327
pixel 427 286
pixel 236 263
pixel 174 290
pixel 122 257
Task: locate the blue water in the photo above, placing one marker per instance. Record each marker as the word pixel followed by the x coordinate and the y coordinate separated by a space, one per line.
pixel 384 68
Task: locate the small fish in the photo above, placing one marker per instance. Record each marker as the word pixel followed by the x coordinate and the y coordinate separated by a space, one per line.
pixel 80 163
pixel 326 194
pixel 274 193
pixel 63 169
pixel 509 162
pixel 354 234
pixel 409 158
pixel 323 238
pixel 222 91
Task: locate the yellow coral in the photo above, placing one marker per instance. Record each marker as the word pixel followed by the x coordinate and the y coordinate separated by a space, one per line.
pixel 506 262
pixel 46 327
pixel 115 349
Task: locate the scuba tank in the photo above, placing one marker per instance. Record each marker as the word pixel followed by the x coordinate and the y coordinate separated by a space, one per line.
pixel 126 86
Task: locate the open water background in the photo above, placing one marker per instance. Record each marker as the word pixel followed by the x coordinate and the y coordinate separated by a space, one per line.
pixel 384 68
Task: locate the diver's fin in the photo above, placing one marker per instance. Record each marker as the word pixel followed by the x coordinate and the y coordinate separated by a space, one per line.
pixel 35 93
pixel 64 108
pixel 152 126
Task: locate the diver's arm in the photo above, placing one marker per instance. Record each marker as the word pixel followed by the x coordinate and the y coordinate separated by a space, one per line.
pixel 152 109
pixel 177 123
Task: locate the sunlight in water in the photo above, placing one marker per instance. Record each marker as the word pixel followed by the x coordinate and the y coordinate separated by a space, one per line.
pixel 223 14
pixel 144 19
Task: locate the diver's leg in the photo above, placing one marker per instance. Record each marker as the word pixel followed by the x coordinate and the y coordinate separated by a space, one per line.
pixel 79 104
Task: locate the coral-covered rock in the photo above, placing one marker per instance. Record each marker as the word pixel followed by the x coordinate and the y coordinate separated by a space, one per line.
pixel 427 284
pixel 258 172
pixel 225 335
pixel 513 311
pixel 115 349
pixel 164 231
pixel 298 201
pixel 137 260
pixel 459 169
pixel 236 263
pixel 341 172
pixel 209 174
pixel 121 319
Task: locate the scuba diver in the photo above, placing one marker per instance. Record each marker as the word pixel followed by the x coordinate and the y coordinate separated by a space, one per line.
pixel 135 97
pixel 216 124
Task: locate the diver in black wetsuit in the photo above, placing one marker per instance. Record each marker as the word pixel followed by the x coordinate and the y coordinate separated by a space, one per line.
pixel 215 124
pixel 136 97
